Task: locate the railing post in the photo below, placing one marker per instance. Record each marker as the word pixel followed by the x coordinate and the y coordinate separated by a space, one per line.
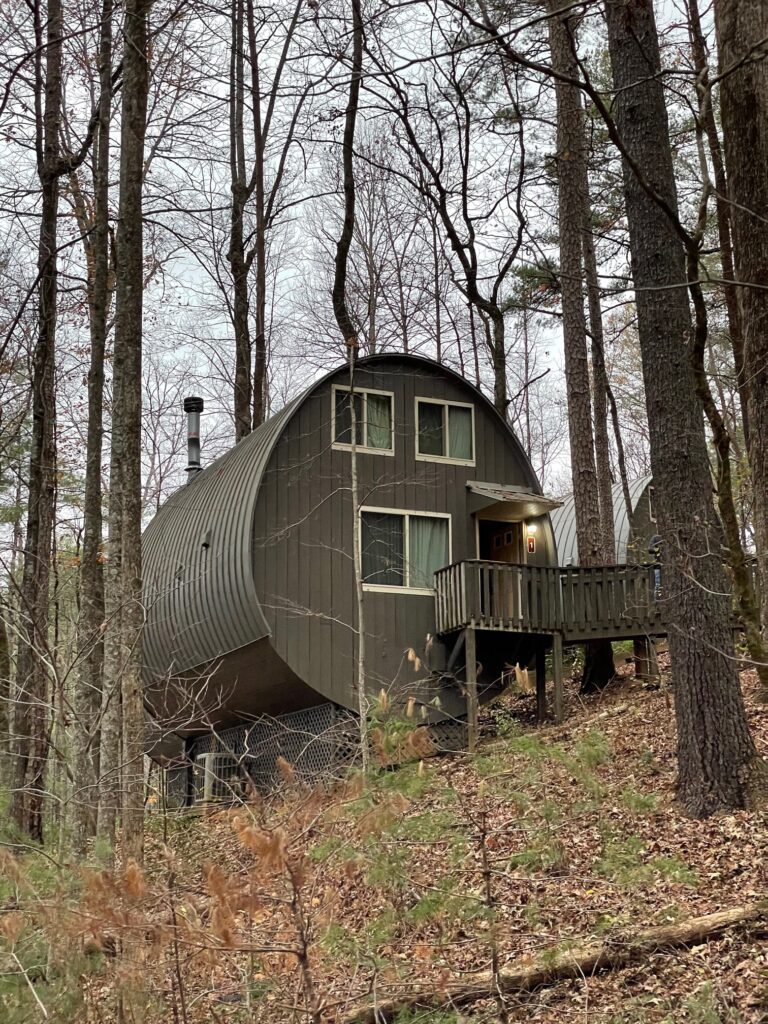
pixel 646 665
pixel 472 592
pixel 470 650
pixel 541 683
pixel 557 673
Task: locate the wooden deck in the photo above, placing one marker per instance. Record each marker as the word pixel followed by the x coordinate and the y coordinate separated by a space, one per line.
pixel 563 605
pixel 612 602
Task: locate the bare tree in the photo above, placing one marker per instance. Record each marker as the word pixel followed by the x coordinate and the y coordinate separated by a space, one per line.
pixel 718 763
pixel 31 723
pixel 439 120
pixel 742 30
pixel 388 289
pixel 573 205
pixel 254 193
pixel 123 680
pixel 347 331
pixel 94 225
pixel 717 757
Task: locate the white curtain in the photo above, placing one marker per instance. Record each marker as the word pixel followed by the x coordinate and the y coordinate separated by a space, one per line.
pixel 427 549
pixel 379 421
pixel 460 432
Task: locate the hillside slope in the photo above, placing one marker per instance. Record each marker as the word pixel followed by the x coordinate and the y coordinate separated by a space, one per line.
pixel 315 906
pixel 546 839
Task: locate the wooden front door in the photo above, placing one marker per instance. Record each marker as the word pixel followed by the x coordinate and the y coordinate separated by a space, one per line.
pixel 506 543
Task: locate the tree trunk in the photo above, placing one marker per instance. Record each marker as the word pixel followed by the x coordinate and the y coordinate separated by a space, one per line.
pixel 499 360
pixel 620 457
pixel 742 29
pixel 436 290
pixel 573 201
pixel 32 718
pixel 599 666
pixel 600 386
pixel 109 738
pixel 348 336
pixel 260 243
pixel 722 205
pixel 339 293
pixel 5 700
pixel 354 495
pixel 578 961
pixel 716 755
pixel 87 698
pixel 571 175
pixel 236 253
pixel 128 345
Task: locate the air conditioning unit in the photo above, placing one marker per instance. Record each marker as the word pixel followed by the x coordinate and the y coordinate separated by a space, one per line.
pixel 219 777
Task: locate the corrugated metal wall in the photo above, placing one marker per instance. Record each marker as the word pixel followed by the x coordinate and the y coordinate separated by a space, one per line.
pixel 564 523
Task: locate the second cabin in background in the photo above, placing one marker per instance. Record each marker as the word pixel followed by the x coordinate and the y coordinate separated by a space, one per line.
pixel 634 526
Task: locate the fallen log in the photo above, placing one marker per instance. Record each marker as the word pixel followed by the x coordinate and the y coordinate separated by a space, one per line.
pixel 560 964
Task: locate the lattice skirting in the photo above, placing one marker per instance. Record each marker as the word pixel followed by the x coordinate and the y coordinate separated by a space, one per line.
pixel 319 744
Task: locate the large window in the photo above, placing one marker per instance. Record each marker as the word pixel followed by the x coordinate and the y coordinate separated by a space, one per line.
pixel 403 549
pixel 445 431
pixel 373 419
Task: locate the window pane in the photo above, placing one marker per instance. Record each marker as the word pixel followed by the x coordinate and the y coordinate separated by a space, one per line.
pixel 431 429
pixel 344 417
pixel 427 548
pixel 379 421
pixel 382 543
pixel 459 432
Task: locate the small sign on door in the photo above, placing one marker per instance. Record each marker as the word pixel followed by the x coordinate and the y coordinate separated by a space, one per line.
pixel 531 545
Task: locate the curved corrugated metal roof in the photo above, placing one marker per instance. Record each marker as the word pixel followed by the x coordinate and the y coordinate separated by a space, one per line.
pixel 564 523
pixel 198 559
pixel 198 556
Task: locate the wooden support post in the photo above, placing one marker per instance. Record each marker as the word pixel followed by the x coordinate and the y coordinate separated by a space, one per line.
pixel 541 683
pixel 457 649
pixel 557 673
pixel 470 649
pixel 646 665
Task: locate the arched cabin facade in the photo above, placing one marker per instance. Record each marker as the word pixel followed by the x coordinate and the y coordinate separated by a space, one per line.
pixel 248 570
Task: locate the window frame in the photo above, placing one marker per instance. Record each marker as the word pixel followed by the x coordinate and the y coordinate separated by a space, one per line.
pixel 445 403
pixel 405 513
pixel 345 446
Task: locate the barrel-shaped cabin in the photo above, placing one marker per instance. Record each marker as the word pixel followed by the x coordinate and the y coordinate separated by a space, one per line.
pixel 634 524
pixel 249 574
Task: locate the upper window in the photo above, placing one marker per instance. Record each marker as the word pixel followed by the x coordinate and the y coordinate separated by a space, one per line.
pixel 403 549
pixel 445 431
pixel 373 419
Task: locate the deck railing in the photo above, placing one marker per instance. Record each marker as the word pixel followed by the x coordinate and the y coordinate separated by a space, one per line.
pixel 610 601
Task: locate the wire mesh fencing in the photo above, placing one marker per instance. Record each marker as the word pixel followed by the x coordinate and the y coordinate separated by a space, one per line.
pixel 318 744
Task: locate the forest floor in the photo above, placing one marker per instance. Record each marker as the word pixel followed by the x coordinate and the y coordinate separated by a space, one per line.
pixel 547 839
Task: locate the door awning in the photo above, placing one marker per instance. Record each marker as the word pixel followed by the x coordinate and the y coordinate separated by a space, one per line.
pixel 507 502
